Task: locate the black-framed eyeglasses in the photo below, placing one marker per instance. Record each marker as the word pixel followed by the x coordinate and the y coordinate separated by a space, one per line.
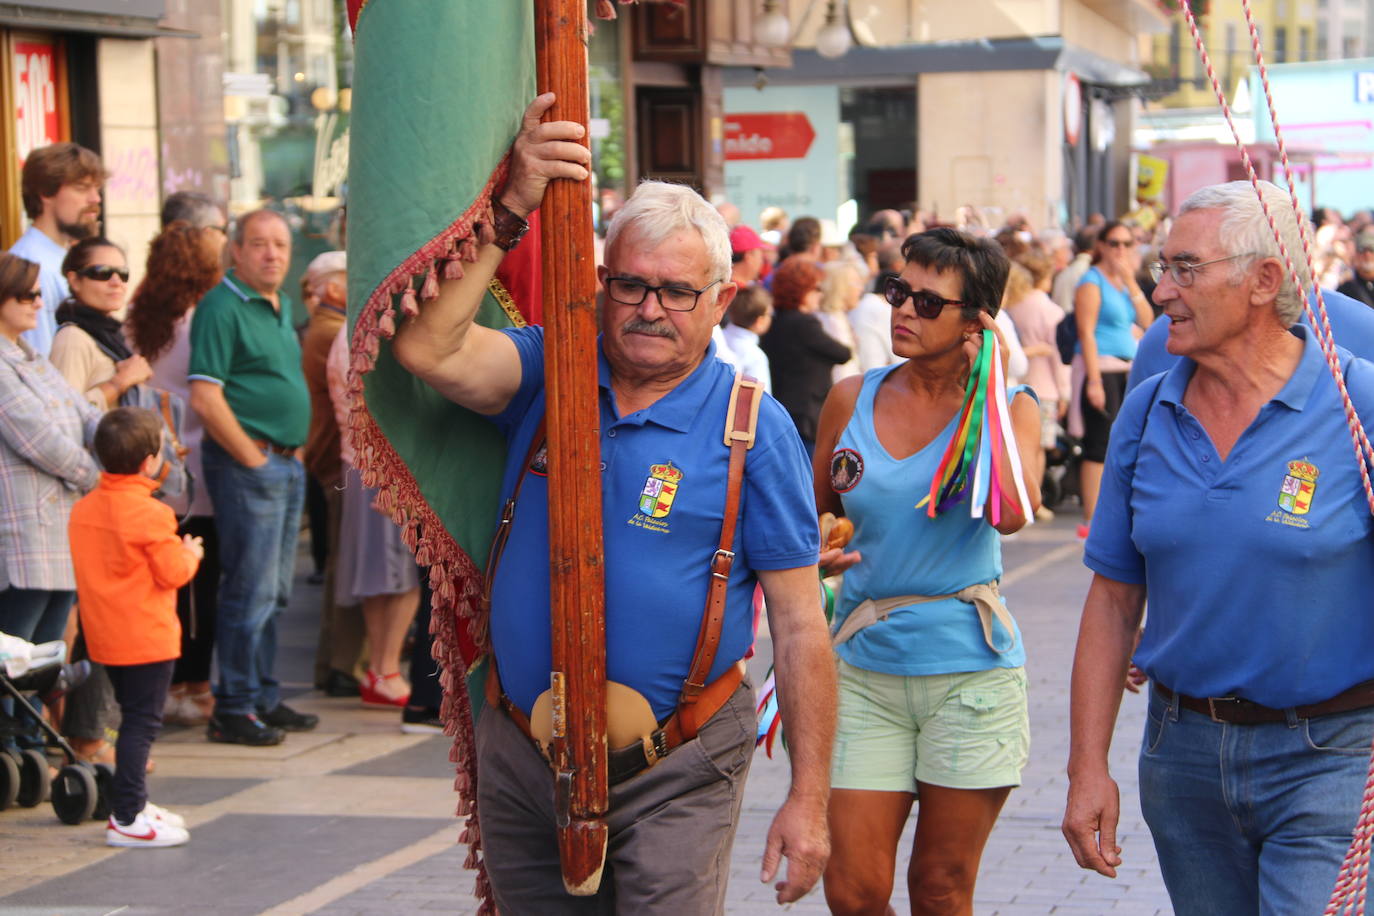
pixel 1118 243
pixel 102 272
pixel 29 297
pixel 1183 272
pixel 928 305
pixel 628 291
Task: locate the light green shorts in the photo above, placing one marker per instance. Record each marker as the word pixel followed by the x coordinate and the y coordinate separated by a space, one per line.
pixel 962 731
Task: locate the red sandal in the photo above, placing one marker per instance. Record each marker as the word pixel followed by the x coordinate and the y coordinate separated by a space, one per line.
pixel 374 697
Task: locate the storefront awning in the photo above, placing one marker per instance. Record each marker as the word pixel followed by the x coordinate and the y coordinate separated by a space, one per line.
pixel 122 18
pixel 862 66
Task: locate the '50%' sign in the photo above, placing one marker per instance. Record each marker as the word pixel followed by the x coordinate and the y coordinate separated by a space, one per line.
pixel 35 97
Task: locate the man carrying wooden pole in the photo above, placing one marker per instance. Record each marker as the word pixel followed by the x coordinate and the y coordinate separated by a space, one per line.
pixel 706 494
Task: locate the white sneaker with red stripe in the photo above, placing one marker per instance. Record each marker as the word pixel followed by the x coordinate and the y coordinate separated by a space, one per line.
pixel 156 813
pixel 145 830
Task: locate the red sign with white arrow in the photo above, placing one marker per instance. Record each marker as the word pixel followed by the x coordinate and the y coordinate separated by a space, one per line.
pixel 768 135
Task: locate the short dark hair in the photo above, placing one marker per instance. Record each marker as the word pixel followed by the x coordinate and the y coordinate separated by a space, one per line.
pixel 17 276
pixel 980 264
pixel 79 255
pixel 48 168
pixel 125 437
pixel 804 235
pixel 1084 239
pixel 191 207
pixel 750 304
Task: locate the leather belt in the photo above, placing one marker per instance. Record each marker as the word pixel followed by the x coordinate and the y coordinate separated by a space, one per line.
pixel 1238 711
pixel 625 762
pixel 268 445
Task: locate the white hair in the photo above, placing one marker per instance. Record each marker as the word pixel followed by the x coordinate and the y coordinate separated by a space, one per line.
pixel 657 210
pixel 1244 230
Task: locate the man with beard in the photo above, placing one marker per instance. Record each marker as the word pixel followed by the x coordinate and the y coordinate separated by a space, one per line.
pixel 61 189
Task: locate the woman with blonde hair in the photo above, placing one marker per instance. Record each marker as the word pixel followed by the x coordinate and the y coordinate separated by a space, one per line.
pixel 841 287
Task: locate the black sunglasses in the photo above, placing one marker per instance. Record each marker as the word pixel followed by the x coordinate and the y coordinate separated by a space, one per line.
pixel 928 305
pixel 102 272
pixel 31 296
pixel 1117 243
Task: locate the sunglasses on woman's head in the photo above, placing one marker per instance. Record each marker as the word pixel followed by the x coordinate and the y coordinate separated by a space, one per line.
pixel 102 272
pixel 928 305
pixel 29 297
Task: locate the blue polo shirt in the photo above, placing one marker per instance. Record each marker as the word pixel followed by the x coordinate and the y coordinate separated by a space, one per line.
pixel 1259 568
pixel 664 472
pixel 1352 324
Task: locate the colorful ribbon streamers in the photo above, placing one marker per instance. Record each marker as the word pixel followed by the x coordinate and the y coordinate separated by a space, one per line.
pixel 977 457
pixel 770 717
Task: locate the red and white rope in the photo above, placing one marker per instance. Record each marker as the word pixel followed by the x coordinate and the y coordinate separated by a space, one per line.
pixel 1364 453
pixel 1350 891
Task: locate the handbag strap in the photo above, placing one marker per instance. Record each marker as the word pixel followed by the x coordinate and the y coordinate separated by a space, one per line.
pixel 741 424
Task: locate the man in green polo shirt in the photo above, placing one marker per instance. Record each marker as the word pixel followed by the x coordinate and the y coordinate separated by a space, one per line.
pixel 247 387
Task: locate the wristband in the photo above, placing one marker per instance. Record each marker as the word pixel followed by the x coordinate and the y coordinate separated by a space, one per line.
pixel 509 228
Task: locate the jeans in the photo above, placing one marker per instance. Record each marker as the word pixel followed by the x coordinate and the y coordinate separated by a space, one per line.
pixel 35 614
pixel 1251 818
pixel 258 514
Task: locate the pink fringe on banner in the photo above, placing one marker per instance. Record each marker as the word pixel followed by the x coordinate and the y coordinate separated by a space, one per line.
pixel 453 578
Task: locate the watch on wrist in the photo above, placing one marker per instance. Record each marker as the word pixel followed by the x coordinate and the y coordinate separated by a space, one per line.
pixel 509 228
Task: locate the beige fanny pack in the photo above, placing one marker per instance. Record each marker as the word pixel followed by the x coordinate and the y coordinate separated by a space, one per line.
pixel 984 596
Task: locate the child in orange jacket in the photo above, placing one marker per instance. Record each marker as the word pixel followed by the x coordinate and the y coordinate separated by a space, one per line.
pixel 129 564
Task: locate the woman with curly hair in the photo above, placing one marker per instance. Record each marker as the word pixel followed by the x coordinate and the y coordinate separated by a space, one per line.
pixel 182 269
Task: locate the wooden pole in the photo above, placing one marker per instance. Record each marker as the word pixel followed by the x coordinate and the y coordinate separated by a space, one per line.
pixel 574 453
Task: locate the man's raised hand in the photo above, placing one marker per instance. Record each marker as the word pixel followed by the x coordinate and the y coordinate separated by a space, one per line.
pixel 544 150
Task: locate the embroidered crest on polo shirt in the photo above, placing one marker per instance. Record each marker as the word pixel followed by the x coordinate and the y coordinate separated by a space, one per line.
pixel 846 469
pixel 656 499
pixel 1295 494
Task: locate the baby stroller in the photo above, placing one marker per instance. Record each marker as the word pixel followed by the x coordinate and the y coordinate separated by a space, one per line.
pixel 80 790
pixel 1061 470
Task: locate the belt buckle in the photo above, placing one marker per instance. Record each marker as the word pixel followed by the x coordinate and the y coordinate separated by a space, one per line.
pixel 655 748
pixel 1212 707
pixel 722 555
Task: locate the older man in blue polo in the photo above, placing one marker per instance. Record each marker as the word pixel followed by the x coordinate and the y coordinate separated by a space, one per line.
pixel 1232 496
pixel 663 405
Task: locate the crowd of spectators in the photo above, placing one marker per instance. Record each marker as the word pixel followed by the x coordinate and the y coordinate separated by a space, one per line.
pixel 209 334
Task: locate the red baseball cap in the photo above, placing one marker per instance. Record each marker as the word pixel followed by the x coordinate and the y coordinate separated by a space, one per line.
pixel 743 239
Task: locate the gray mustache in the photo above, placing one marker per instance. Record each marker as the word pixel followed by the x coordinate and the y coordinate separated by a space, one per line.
pixel 638 325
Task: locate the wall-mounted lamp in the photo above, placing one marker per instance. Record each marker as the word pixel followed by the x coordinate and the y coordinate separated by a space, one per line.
pixel 833 40
pixel 773 28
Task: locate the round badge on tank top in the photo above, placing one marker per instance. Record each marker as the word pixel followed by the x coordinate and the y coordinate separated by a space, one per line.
pixel 846 470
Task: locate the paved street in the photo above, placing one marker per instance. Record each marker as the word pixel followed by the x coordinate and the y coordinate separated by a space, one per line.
pixel 356 818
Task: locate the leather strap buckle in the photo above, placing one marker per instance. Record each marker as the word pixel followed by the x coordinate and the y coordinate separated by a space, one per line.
pixel 721 562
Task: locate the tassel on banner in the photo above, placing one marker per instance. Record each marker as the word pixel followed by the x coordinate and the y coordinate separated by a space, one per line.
pixel 453 269
pixel 430 289
pixel 410 307
pixel 386 324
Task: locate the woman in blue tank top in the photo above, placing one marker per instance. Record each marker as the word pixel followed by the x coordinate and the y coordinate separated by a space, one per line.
pixel 932 692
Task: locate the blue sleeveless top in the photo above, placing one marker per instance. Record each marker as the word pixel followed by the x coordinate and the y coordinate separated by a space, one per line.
pixel 1114 318
pixel 905 552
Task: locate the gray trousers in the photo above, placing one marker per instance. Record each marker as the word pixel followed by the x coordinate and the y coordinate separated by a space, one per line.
pixel 671 826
